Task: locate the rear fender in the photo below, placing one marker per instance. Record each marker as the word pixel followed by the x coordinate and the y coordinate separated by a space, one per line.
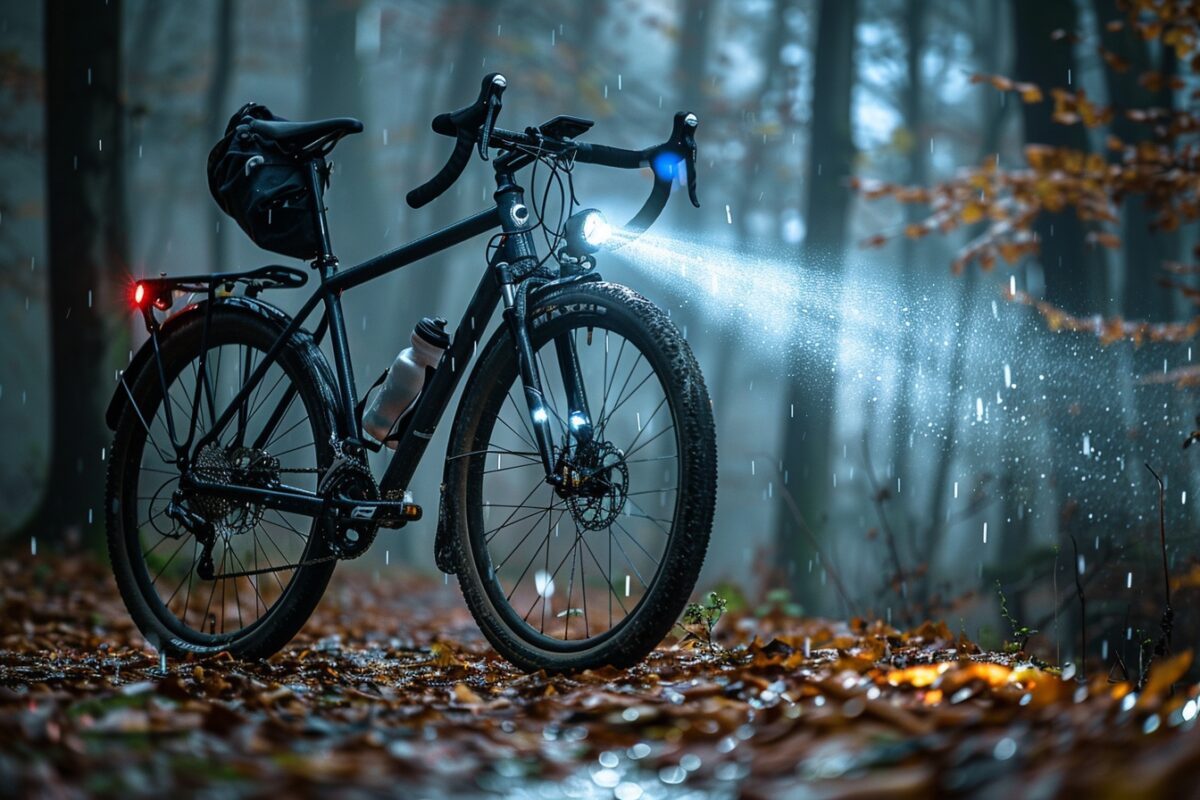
pixel 142 359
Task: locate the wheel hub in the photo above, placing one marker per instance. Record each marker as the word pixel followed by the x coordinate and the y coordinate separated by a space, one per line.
pixel 596 485
pixel 244 466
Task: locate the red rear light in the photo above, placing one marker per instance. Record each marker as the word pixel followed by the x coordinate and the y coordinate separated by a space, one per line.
pixel 139 294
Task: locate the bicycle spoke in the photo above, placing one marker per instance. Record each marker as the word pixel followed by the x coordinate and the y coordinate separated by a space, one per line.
pixel 529 438
pixel 489 535
pixel 608 579
pixel 633 539
pixel 513 552
pixel 525 571
pixel 642 446
pixel 646 425
pixel 528 539
pixel 194 390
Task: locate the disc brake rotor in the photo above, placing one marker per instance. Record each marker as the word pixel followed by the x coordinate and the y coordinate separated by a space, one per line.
pixel 600 485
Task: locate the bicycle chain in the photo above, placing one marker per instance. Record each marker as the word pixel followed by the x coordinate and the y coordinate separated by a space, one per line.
pixel 339 458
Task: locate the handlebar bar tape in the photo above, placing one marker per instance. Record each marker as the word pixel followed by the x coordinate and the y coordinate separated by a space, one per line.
pixel 453 168
pixel 463 124
pixel 607 156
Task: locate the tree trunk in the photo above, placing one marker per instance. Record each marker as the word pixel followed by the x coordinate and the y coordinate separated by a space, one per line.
pixel 914 120
pixel 1144 252
pixel 758 161
pixel 476 18
pixel 217 116
pixel 335 89
pixel 1073 282
pixel 87 253
pixel 988 47
pixel 691 62
pixel 811 388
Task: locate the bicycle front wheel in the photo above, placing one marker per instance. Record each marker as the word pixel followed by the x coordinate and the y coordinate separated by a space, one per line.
pixel 596 573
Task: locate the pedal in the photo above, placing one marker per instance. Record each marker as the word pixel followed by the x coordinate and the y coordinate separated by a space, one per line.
pixel 396 515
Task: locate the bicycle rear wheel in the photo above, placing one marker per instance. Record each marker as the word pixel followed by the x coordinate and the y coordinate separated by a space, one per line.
pixel 598 573
pixel 269 568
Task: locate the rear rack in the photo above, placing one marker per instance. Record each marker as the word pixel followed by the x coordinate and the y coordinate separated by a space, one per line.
pixel 159 291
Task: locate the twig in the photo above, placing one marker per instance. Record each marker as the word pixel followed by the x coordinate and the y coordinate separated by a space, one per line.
pixel 1120 663
pixel 1082 613
pixel 894 551
pixel 829 567
pixel 1168 618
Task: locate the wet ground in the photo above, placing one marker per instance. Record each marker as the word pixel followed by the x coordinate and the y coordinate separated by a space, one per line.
pixel 392 690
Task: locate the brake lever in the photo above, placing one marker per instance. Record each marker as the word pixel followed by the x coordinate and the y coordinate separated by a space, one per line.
pixel 495 88
pixel 683 145
pixel 489 121
pixel 689 145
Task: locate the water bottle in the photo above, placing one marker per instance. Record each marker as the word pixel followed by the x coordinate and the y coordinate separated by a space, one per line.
pixel 405 378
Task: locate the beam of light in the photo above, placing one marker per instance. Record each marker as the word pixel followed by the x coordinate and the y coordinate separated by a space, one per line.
pixel 776 296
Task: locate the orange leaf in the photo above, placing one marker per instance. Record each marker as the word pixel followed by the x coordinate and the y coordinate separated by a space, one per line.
pixel 1105 239
pixel 1162 675
pixel 1030 92
pixel 972 213
pixel 1114 61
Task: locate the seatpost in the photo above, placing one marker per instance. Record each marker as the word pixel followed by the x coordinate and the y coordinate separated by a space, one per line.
pixel 315 182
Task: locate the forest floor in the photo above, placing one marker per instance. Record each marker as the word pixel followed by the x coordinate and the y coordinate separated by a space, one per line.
pixel 392 690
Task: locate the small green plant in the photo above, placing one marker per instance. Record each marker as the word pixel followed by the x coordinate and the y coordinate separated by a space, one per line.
pixel 1021 633
pixel 699 619
pixel 779 600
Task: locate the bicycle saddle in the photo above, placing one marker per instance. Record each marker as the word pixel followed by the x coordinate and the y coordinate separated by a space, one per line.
pixel 299 135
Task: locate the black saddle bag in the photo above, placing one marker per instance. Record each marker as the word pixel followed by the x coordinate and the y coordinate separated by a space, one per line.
pixel 264 188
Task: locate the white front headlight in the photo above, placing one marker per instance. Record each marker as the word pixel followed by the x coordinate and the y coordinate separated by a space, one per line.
pixel 586 232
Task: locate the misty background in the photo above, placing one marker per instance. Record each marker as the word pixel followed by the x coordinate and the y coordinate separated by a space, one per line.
pixel 893 439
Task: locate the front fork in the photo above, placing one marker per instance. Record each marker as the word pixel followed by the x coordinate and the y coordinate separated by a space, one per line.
pixel 520 257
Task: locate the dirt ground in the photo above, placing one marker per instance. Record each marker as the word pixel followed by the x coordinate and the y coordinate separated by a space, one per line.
pixel 391 690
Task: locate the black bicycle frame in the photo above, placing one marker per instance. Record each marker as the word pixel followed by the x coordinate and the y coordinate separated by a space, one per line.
pixel 517 248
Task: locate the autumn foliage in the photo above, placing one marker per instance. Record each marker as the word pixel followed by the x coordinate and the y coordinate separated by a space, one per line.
pixel 1000 203
pixel 391 689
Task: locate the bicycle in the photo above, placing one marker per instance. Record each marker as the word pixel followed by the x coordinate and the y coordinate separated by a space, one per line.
pixel 215 465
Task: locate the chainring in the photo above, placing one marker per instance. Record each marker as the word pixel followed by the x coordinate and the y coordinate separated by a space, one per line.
pixel 350 538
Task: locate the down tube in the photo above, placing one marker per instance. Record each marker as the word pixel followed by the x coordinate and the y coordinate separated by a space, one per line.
pixel 433 401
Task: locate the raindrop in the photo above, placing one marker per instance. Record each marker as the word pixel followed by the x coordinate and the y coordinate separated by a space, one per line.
pixel 1005 749
pixel 606 778
pixel 628 791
